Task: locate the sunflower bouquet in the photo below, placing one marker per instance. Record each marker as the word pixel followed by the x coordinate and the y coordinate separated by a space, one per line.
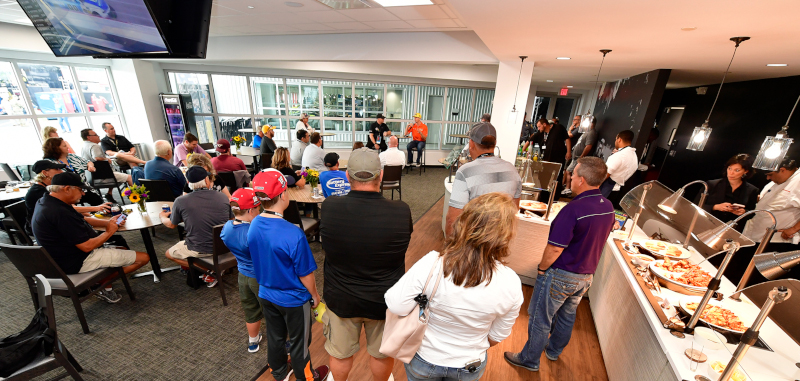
pixel 238 141
pixel 311 176
pixel 137 194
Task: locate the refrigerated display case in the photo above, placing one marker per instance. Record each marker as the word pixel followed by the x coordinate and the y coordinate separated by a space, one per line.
pixel 179 115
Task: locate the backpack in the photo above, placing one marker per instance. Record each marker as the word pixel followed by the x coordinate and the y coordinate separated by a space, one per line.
pixel 19 350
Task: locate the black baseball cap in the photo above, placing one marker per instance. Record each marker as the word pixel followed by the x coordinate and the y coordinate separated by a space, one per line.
pixel 196 173
pixel 331 159
pixel 380 116
pixel 43 165
pixel 69 179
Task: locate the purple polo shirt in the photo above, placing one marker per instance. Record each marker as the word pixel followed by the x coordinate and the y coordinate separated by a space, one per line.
pixel 582 228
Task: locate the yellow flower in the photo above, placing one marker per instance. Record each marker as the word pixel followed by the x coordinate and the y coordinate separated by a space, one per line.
pixel 134 197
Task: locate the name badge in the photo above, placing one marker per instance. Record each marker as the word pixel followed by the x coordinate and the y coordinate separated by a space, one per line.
pixel 544 148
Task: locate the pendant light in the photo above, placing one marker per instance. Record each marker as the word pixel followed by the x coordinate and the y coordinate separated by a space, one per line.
pixel 700 135
pixel 774 148
pixel 587 119
pixel 512 115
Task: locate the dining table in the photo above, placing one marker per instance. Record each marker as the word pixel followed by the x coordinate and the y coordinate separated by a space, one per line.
pixel 143 222
pixel 14 195
pixel 305 196
pixel 253 152
pixel 460 137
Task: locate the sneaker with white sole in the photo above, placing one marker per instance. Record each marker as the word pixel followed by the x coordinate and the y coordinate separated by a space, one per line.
pixel 322 373
pixel 289 374
pixel 210 279
pixel 109 296
pixel 252 346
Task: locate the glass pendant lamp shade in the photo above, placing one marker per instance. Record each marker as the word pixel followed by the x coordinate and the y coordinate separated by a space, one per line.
pixel 586 122
pixel 699 138
pixel 772 152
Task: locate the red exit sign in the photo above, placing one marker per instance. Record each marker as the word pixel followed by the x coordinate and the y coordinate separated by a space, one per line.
pixel 564 91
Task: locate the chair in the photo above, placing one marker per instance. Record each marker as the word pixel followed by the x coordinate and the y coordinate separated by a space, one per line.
pixel 25 172
pixel 10 173
pixel 266 160
pixel 220 260
pixel 297 167
pixel 230 180
pixel 392 176
pixel 16 216
pixel 422 160
pixel 60 356
pixel 206 146
pixel 32 260
pixel 158 190
pixel 103 177
pixel 309 225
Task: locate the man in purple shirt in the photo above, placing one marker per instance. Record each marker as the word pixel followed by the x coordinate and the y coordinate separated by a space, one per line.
pixel 576 241
pixel 189 145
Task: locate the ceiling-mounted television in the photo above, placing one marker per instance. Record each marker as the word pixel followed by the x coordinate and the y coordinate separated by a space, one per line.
pixel 122 28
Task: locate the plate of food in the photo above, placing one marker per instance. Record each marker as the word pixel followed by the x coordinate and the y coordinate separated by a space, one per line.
pixel 532 205
pixel 666 249
pixel 731 316
pixel 716 367
pixel 681 276
pixel 557 206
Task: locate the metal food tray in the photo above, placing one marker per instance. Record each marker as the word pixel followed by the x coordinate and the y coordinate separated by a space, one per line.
pixel 676 286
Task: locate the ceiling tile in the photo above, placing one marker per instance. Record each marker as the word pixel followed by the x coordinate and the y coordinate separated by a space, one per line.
pixel 389 24
pixel 219 10
pixel 441 23
pixel 419 12
pixel 373 14
pixel 349 26
pixel 448 11
pixel 325 16
pixel 312 27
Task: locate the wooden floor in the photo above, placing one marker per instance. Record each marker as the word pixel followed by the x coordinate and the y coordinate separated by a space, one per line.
pixel 581 359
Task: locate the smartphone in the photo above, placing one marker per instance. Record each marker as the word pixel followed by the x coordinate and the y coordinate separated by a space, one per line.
pixel 121 218
pixel 737 206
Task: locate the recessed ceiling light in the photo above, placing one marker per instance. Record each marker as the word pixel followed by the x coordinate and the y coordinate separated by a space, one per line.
pixel 777 65
pixel 689 28
pixel 549 80
pixel 569 87
pixel 403 3
pixel 293 4
pixel 562 58
pixel 251 7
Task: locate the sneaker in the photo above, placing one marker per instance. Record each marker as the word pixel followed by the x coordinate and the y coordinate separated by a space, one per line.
pixel 252 346
pixel 210 280
pixel 184 270
pixel 289 374
pixel 551 358
pixel 566 192
pixel 322 373
pixel 109 296
pixel 513 359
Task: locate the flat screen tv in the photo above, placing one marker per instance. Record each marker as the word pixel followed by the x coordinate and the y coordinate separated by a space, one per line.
pixel 95 27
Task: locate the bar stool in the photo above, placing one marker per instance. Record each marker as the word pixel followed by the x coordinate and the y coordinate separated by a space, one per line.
pixel 422 160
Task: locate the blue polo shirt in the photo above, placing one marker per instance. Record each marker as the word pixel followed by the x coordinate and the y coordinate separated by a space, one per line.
pixel 582 228
pixel 161 169
pixel 334 183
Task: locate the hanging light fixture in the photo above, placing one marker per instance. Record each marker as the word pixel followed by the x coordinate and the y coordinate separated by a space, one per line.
pixel 512 115
pixel 587 119
pixel 774 148
pixel 700 135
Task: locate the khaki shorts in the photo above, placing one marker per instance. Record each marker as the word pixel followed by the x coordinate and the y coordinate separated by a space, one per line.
pixel 343 335
pixel 104 257
pixel 248 294
pixel 121 177
pixel 180 251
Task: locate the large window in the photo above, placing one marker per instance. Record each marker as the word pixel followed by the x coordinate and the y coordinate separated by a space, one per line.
pixel 37 95
pixel 341 110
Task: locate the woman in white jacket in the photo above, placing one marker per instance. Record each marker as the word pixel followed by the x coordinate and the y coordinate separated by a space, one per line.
pixel 478 298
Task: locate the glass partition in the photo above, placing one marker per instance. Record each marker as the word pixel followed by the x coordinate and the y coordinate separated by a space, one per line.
pixel 483 104
pixel 96 123
pixel 399 101
pixel 51 88
pixel 268 95
pixel 69 129
pixel 282 131
pixel 303 96
pixel 20 143
pixel 206 132
pixel 96 89
pixel 11 100
pixel 231 126
pixel 337 98
pixel 230 94
pixel 431 103
pixel 343 133
pixel 459 102
pixel 368 99
pixel 194 84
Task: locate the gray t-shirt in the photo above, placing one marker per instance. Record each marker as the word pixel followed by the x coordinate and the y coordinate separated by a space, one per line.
pixel 200 211
pixel 588 138
pixel 314 158
pixel 298 147
pixel 90 151
pixel 484 175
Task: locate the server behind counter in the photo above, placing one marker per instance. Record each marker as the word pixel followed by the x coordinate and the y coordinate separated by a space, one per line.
pixel 731 196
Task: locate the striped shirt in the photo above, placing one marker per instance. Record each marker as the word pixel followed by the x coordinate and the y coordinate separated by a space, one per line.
pixel 484 175
pixel 581 228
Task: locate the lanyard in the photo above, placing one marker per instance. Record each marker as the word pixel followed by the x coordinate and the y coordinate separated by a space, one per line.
pixel 68 165
pixel 240 221
pixel 484 155
pixel 273 213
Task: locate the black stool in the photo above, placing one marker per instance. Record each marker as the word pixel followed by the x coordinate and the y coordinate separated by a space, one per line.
pixel 422 159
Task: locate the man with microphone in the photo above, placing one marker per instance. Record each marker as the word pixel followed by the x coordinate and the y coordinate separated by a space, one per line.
pixel 419 134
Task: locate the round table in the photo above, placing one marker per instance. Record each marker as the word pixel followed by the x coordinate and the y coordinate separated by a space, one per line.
pixel 304 195
pixel 460 137
pixel 327 134
pixel 142 222
pixel 13 195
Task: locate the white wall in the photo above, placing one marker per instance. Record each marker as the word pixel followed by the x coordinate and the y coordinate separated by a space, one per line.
pixel 509 75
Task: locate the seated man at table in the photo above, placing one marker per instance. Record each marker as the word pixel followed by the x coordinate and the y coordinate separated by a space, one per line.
pixel 225 162
pixel 333 181
pixel 200 211
pixel 314 156
pixel 299 146
pixel 70 238
pixel 393 156
pixel 91 151
pixel 119 147
pixel 190 145
pixel 257 139
pixel 161 169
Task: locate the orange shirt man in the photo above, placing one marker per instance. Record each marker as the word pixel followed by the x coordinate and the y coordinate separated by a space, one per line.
pixel 419 134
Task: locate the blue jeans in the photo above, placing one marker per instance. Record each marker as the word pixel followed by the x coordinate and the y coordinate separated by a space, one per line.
pixel 421 370
pixel 420 146
pixel 551 313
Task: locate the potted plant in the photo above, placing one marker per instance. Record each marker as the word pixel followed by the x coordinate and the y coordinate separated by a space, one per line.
pixel 137 194
pixel 312 177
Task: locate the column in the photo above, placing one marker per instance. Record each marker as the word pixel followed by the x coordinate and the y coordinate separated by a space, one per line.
pixel 508 124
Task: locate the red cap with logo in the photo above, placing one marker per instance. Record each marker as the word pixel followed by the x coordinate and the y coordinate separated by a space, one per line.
pixel 270 182
pixel 246 199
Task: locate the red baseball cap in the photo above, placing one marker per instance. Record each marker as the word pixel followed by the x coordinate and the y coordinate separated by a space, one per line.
pixel 246 199
pixel 270 182
pixel 223 145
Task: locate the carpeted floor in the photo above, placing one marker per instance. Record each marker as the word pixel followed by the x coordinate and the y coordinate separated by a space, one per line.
pixel 171 332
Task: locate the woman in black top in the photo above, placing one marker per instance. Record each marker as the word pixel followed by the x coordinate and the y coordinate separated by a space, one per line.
pixel 283 162
pixel 731 196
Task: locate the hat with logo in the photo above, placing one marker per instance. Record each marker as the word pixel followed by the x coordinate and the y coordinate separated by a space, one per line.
pixel 69 179
pixel 267 128
pixel 245 199
pixel 481 130
pixel 417 115
pixel 331 159
pixel 364 165
pixel 380 116
pixel 223 146
pixel 303 116
pixel 270 182
pixel 196 174
pixel 43 165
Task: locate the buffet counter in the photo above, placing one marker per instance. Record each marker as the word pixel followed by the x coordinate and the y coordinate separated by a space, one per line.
pixel 636 346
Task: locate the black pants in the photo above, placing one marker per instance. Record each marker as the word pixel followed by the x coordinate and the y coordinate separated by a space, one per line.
pixel 92 198
pixel 294 322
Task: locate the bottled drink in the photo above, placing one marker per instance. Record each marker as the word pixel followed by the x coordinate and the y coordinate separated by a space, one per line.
pixel 536 152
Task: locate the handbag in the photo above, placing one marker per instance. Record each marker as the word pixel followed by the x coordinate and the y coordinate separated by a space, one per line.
pixel 19 350
pixel 402 335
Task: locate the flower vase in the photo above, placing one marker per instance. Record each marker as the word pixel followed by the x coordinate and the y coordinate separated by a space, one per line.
pixel 142 207
pixel 238 146
pixel 314 190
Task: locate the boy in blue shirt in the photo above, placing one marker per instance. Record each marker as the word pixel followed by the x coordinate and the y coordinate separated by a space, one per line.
pixel 245 206
pixel 333 181
pixel 284 267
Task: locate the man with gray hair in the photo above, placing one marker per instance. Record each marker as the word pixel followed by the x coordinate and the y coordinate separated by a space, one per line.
pixel 160 168
pixel 577 237
pixel 485 174
pixel 356 280
pixel 200 211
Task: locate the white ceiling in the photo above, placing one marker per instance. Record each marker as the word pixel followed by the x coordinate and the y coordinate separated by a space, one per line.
pixel 11 12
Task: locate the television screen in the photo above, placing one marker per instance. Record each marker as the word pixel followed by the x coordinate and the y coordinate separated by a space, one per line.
pixel 95 27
